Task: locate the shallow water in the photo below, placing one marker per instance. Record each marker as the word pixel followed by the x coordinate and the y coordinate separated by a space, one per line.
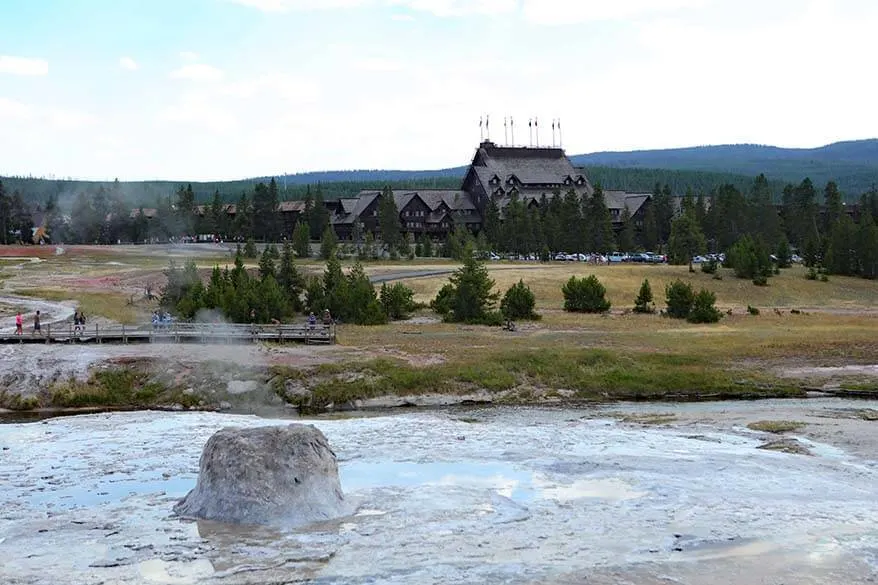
pixel 520 496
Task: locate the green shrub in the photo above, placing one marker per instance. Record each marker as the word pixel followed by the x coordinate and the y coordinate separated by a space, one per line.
pixel 519 302
pixel 784 254
pixel 468 297
pixel 760 280
pixel 749 259
pixel 585 295
pixel 444 300
pixel 812 274
pixel 250 249
pixel 709 267
pixel 397 300
pixel 679 298
pixel 643 302
pixel 703 309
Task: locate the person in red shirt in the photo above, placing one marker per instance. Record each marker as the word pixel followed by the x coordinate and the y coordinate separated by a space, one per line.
pixel 18 323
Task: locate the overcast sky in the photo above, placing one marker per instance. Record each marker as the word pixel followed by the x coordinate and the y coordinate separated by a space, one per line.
pixel 220 89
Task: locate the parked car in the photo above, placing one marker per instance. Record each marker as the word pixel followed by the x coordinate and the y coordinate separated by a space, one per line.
pixel 493 256
pixel 615 257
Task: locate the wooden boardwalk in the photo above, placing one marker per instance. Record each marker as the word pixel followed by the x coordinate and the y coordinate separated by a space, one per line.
pixel 212 333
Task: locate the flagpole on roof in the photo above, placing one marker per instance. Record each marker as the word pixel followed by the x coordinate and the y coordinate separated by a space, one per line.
pixel 487 126
pixel 505 131
pixel 537 130
pixel 481 131
pixel 512 129
pixel 560 140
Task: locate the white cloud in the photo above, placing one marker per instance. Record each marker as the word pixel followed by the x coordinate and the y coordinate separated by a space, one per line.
pixel 128 64
pixel 23 66
pixel 14 110
pixel 41 118
pixel 198 72
pixel 447 8
pixel 189 56
pixel 288 5
pixel 555 12
pixel 199 110
pixel 377 64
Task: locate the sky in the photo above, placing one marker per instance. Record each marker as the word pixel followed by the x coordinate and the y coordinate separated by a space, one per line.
pixel 225 89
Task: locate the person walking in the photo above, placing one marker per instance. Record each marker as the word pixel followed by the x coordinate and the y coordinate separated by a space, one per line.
pixel 37 324
pixel 18 324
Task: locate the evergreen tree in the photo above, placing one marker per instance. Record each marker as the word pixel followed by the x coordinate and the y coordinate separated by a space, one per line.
pixel 267 265
pixel 302 240
pixel 428 246
pixel 185 210
pixel 328 244
pixel 388 220
pixel 686 239
pixel 627 235
pixel 335 288
pixel 867 247
pixel 319 215
pixel 289 279
pixel 217 216
pixel 841 257
pixel 519 302
pixel 834 207
pixel 599 222
pixel 492 226
pixel 361 305
pixel 5 215
pixel 649 236
pixel 244 218
pixel 643 302
pixel 472 297
pixel 763 219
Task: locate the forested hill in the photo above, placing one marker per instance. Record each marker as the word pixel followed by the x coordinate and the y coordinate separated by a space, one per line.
pixel 853 164
pixel 349 183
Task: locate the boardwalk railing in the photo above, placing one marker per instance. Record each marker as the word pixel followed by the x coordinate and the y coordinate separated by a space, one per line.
pixel 214 333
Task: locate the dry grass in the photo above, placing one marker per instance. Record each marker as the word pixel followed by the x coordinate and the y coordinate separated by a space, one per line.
pixel 112 306
pixel 776 426
pixel 789 289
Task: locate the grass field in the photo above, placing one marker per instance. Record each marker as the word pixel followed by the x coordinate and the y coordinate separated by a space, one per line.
pixel 616 355
pixel 789 289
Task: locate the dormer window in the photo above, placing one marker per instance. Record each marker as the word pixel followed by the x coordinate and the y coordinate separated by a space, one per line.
pixel 495 180
pixel 580 180
pixel 568 180
pixel 512 180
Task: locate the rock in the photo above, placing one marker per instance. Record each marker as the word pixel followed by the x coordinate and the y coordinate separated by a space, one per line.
pixel 241 387
pixel 277 476
pixel 297 393
pixel 225 405
pixel 786 445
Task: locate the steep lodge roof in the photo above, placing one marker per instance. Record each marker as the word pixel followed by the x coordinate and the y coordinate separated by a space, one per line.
pixel 505 167
pixel 353 208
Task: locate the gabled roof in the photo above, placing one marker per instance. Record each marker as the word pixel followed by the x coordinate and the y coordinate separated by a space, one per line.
pixel 291 206
pixel 622 199
pixel 530 166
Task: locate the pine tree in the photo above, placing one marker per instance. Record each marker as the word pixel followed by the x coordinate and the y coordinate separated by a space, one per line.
pixel 867 246
pixel 628 233
pixel 841 257
pixel 289 279
pixel 686 240
pixel 302 240
pixel 643 302
pixel 328 244
pixel 388 220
